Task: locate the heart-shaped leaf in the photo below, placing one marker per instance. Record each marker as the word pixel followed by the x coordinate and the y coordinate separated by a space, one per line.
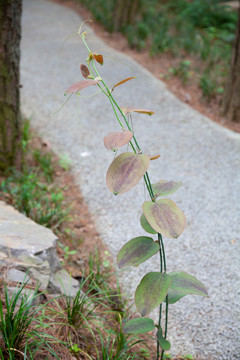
pixel 164 187
pixel 122 82
pixel 80 85
pixel 125 172
pixel 184 284
pixel 164 344
pixel 151 291
pixel 136 251
pixel 127 110
pixel 84 70
pixel 115 140
pixel 138 326
pixel 146 226
pixel 165 217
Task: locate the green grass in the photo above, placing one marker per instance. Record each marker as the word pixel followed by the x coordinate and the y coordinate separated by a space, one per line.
pixel 31 190
pixel 17 317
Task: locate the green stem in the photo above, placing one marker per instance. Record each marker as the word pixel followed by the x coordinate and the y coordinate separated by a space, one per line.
pixel 114 104
pixel 160 307
pixel 166 310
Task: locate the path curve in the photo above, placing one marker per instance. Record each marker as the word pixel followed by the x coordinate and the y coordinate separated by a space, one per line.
pixel 194 150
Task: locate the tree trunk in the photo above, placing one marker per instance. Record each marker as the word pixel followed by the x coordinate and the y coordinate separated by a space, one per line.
pixel 231 102
pixel 10 118
pixel 125 13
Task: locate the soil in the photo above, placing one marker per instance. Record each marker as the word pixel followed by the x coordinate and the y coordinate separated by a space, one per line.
pixel 188 92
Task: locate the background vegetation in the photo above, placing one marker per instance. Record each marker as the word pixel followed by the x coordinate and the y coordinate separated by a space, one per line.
pixel 199 33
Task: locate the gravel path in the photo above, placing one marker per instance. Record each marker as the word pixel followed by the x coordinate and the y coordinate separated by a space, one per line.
pixel 194 150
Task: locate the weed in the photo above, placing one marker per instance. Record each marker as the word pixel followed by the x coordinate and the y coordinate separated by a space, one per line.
pixel 40 202
pixel 65 162
pixel 26 136
pixel 182 70
pixel 66 250
pixel 44 161
pixel 18 317
pixel 80 308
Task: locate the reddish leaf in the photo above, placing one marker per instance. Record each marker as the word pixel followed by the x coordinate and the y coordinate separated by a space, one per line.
pixel 127 110
pixel 125 172
pixel 80 85
pixel 84 70
pixel 165 217
pixel 123 81
pixel 98 58
pixel 115 140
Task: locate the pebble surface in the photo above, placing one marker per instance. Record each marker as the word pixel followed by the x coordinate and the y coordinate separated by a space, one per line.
pixel 194 150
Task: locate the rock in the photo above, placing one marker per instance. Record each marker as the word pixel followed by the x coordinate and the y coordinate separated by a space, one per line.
pixel 29 250
pixel 63 283
pixel 18 276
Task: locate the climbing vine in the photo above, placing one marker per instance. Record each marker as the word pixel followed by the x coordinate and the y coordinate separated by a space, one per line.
pixel 160 215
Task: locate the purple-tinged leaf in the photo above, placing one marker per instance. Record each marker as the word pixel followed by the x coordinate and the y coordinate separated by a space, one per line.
pixel 127 110
pixel 122 82
pixel 151 291
pixel 125 172
pixel 184 284
pixel 164 187
pixel 136 251
pixel 84 70
pixel 115 140
pixel 146 226
pixel 138 326
pixel 80 85
pixel 165 217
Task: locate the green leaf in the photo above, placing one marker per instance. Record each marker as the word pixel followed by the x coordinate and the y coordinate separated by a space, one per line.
pixel 164 344
pixel 146 226
pixel 138 326
pixel 115 140
pixel 184 284
pixel 165 217
pixel 136 251
pixel 151 291
pixel 164 187
pixel 125 172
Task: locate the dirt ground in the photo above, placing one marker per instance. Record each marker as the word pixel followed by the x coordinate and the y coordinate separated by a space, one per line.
pixel 158 66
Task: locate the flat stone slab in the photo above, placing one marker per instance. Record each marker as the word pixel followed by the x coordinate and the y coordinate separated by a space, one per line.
pixel 194 150
pixel 29 250
pixel 21 234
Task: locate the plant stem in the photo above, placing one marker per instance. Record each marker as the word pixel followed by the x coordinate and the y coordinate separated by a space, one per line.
pixel 160 307
pixel 166 310
pixel 114 104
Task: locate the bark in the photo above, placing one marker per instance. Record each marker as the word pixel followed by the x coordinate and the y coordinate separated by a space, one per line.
pixel 10 118
pixel 125 13
pixel 231 102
